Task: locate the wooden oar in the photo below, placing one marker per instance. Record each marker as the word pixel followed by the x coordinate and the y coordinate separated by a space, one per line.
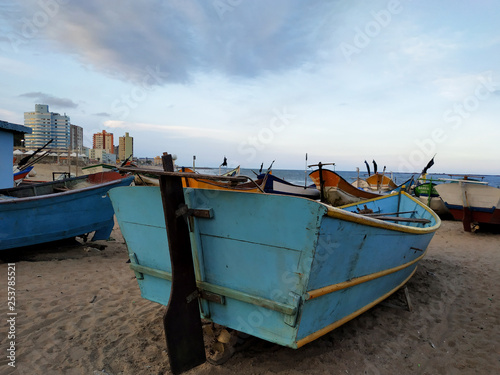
pixel 390 213
pixel 405 219
pixel 182 322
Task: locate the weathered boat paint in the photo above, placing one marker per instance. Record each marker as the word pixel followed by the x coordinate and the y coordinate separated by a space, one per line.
pixel 202 183
pixel 471 202
pixel 286 269
pixel 35 214
pixel 339 192
pixel 276 185
pixel 380 182
pixel 427 194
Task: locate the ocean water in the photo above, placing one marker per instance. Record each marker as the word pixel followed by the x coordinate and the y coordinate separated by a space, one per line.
pixel 299 177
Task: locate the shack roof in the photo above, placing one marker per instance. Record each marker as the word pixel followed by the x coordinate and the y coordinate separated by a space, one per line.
pixel 14 128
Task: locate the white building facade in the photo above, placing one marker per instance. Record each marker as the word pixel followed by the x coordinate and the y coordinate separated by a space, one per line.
pixel 45 126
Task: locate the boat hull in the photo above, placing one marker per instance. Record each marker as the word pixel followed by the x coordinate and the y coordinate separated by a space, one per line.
pixel 200 183
pixel 339 192
pixel 436 204
pixel 19 176
pixel 380 182
pixel 276 185
pixel 30 220
pixel 471 202
pixel 285 269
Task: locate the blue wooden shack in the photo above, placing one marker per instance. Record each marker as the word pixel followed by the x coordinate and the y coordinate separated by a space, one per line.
pixel 7 131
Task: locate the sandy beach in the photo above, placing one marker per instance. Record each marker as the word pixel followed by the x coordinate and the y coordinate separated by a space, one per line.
pixel 43 172
pixel 79 311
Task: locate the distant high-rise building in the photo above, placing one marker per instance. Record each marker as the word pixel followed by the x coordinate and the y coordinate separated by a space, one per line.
pixel 46 126
pixel 76 138
pixel 104 141
pixel 125 147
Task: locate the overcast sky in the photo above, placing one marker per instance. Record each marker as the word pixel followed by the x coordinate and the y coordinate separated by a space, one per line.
pixel 344 81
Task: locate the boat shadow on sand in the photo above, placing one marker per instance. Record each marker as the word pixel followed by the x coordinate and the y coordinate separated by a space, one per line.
pixel 70 248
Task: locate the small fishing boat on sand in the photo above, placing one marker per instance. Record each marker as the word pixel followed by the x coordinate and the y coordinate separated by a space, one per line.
pixel 51 211
pixel 276 185
pixel 20 175
pixel 376 182
pixel 380 182
pixel 285 269
pixel 338 192
pixel 472 202
pixel 195 180
pixel 426 193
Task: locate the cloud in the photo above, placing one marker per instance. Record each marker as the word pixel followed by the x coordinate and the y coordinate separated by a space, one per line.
pixel 102 114
pixel 50 100
pixel 7 115
pixel 239 38
pixel 174 131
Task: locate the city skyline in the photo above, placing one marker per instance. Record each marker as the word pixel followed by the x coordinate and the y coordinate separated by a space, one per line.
pixel 397 81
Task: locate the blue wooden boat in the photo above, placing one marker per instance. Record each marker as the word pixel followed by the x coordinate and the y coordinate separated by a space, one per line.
pixel 282 268
pixel 276 185
pixel 50 211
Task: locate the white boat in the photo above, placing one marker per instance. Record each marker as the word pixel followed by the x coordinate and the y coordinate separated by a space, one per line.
pixel 472 202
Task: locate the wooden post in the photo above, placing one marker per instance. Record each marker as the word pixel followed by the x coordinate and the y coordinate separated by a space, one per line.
pixel 182 322
pixel 321 183
pixel 467 214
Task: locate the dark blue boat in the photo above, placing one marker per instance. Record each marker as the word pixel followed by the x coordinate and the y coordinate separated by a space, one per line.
pixel 276 185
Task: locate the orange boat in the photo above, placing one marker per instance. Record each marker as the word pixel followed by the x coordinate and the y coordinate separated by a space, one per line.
pixel 380 182
pixel 336 190
pixel 256 186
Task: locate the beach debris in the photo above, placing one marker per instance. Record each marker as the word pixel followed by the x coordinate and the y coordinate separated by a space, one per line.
pixel 431 344
pixel 224 337
pixel 93 299
pixel 221 343
pixel 365 210
pixel 97 246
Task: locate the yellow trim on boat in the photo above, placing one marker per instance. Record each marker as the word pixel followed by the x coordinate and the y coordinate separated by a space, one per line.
pixel 340 213
pixel 358 280
pixel 338 323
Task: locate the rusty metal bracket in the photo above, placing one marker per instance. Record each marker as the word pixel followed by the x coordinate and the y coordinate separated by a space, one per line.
pixel 213 297
pixel 204 213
